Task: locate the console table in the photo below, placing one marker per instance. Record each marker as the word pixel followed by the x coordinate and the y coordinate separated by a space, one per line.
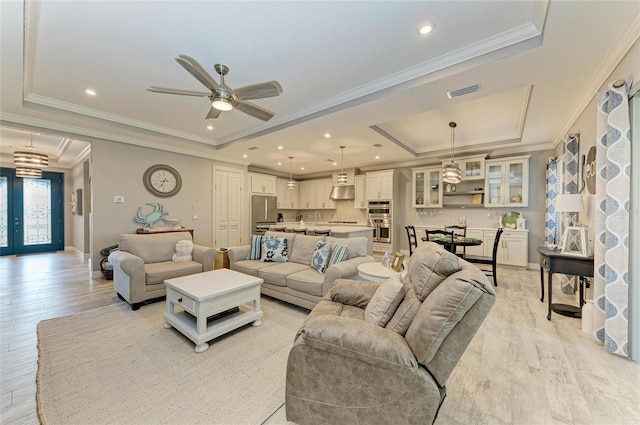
pixel 141 231
pixel 554 261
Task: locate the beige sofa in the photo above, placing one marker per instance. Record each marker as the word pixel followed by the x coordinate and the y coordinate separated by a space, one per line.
pixel 295 281
pixel 345 368
pixel 143 262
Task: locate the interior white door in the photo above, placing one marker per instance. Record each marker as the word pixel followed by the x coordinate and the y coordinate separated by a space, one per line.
pixel 228 208
pixel 235 209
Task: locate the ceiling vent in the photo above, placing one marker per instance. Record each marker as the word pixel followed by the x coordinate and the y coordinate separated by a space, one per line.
pixel 461 92
pixel 253 148
pixel 377 145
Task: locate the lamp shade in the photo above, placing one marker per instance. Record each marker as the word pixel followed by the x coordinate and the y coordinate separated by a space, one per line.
pixel 34 173
pixel 451 173
pixel 30 159
pixel 569 202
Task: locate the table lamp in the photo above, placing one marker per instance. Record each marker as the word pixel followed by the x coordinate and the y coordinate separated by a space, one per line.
pixel 566 203
pixel 574 240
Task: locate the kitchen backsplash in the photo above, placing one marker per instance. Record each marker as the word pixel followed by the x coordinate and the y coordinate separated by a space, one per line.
pixel 344 212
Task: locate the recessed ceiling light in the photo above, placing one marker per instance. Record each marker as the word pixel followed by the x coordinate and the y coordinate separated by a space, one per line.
pixel 327 135
pixel 280 147
pixel 335 163
pixel 209 127
pixel 90 92
pixel 279 163
pixel 377 156
pixel 426 28
pixel 302 168
pixel 245 155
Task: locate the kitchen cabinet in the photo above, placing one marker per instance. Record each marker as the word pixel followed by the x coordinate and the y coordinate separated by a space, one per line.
pixel 427 187
pixel 314 194
pixel 262 184
pixel 360 200
pixel 380 185
pixel 507 182
pixel 472 167
pixel 513 247
pixel 287 198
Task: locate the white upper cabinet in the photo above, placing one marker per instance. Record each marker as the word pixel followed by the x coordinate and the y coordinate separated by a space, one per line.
pixel 360 200
pixel 427 187
pixel 262 183
pixel 507 182
pixel 287 198
pixel 472 167
pixel 314 194
pixel 380 185
pixel 323 190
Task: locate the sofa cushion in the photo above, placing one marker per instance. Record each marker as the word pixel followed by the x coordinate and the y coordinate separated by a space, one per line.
pixel 250 267
pixel 384 302
pixel 303 247
pixel 255 247
pixel 308 281
pixel 429 266
pixel 152 248
pixel 183 252
pixel 320 256
pixel 356 247
pixel 338 254
pixel 274 250
pixel 277 273
pixel 406 311
pixel 159 272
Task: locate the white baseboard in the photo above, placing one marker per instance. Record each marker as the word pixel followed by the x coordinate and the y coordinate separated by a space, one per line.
pixel 96 274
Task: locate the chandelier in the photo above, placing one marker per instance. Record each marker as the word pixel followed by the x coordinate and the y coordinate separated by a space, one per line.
pixel 342 177
pixel 451 172
pixel 29 163
pixel 291 184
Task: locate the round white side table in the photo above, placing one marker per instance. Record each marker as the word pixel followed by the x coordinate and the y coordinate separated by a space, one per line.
pixel 375 272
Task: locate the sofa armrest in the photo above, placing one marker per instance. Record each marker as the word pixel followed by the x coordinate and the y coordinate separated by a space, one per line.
pixel 238 253
pixel 356 293
pixel 204 255
pixel 354 338
pixel 343 270
pixel 127 262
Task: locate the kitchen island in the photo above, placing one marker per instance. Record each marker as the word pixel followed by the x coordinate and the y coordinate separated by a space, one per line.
pixel 337 231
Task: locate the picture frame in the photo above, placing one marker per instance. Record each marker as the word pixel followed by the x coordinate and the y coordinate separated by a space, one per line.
pixel 396 261
pixel 575 242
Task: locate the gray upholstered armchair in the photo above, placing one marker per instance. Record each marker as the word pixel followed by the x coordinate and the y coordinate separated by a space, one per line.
pixel 367 355
pixel 143 262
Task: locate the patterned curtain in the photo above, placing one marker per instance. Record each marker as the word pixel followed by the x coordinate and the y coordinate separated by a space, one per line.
pixel 571 163
pixel 550 217
pixel 611 251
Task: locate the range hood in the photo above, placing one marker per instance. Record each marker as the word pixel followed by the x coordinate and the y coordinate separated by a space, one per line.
pixel 343 191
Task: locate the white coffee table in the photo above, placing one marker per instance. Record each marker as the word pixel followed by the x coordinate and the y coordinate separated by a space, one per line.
pixel 209 293
pixel 375 272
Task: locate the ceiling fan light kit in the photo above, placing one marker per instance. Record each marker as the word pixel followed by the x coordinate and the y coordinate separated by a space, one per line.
pixel 224 98
pixel 451 172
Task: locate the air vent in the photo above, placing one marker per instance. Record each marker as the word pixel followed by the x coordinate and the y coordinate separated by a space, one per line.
pixel 377 145
pixel 253 148
pixel 461 92
pixel 330 160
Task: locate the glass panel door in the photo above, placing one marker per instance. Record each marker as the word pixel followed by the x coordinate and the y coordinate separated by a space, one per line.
pixel 515 183
pixel 5 234
pixel 434 187
pixel 420 198
pixel 493 192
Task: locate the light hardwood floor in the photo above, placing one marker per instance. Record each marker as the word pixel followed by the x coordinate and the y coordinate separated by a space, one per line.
pixel 519 369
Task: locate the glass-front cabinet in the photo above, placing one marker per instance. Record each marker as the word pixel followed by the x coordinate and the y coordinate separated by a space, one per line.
pixel 427 187
pixel 472 167
pixel 507 182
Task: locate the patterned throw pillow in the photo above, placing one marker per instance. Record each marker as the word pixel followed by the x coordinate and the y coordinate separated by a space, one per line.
pixel 338 254
pixel 183 251
pixel 256 245
pixel 320 256
pixel 274 250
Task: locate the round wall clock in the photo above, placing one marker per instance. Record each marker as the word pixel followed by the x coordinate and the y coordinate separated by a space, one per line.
pixel 162 180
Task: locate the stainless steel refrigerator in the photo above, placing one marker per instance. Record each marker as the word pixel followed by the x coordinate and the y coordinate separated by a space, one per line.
pixel 263 212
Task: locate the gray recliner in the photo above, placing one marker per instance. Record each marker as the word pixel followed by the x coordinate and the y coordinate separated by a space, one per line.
pixel 342 369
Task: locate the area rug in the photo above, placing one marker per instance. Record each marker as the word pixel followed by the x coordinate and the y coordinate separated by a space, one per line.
pixel 113 365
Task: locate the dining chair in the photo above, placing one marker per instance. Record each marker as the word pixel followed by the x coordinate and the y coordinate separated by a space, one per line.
pixel 300 231
pixel 413 239
pixel 432 235
pixel 458 231
pixel 322 232
pixel 489 261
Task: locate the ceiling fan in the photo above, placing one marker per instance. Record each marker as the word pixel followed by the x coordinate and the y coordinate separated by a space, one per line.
pixel 223 97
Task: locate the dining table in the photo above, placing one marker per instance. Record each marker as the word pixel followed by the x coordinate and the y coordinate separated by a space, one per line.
pixel 457 241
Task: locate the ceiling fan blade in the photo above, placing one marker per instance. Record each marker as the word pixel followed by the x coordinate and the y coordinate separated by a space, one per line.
pixel 213 113
pixel 195 69
pixel 167 90
pixel 254 110
pixel 259 90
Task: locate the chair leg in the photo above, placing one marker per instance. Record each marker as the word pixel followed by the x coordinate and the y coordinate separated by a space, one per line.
pixel 495 278
pixel 135 306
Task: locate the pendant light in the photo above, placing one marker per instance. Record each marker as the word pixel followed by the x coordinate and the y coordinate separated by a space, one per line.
pixel 451 172
pixel 342 177
pixel 291 184
pixel 30 163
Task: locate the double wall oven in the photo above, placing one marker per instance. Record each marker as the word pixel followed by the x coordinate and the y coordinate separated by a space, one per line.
pixel 379 216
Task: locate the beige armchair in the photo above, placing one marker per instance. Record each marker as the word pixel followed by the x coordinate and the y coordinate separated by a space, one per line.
pixel 143 262
pixel 343 369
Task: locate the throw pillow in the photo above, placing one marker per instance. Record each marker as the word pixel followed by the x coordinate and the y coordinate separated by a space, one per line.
pixel 256 245
pixel 320 256
pixel 338 254
pixel 384 302
pixel 274 250
pixel 183 251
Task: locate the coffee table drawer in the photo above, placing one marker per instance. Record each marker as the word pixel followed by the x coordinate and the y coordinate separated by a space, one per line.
pixel 183 301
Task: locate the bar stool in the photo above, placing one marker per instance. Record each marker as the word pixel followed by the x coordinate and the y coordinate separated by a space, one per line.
pixel 280 228
pixel 323 232
pixel 300 231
